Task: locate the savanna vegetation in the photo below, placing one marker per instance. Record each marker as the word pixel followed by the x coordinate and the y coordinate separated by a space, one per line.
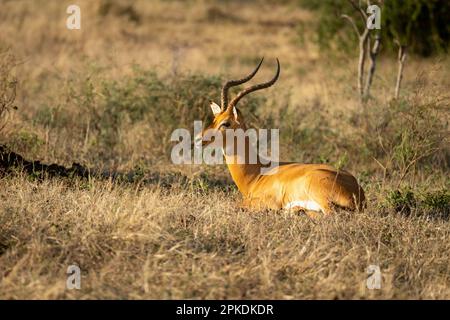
pixel 85 170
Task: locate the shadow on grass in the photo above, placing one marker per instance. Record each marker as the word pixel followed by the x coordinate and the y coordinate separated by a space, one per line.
pixel 12 163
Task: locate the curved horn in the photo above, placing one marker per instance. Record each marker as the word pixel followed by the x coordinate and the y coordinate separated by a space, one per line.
pixel 255 87
pixel 233 83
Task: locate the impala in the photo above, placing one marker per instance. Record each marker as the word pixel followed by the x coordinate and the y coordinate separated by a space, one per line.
pixel 315 189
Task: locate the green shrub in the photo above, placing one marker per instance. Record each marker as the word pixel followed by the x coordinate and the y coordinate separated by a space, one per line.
pixel 164 104
pixel 401 201
pixel 26 141
pixel 422 25
pixel 144 98
pixel 438 201
pixel 330 28
pixel 434 204
pixel 117 9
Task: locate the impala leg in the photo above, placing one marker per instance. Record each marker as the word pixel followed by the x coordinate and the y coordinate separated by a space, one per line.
pixel 244 205
pixel 313 215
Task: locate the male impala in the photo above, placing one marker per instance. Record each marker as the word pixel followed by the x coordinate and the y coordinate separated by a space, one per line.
pixel 312 188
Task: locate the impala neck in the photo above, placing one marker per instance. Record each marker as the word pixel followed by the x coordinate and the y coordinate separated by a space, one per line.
pixel 242 172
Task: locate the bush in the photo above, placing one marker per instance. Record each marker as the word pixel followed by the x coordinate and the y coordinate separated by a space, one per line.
pixel 26 141
pixel 439 201
pixel 128 11
pixel 163 104
pixel 435 204
pixel 401 201
pixel 422 25
pixel 143 100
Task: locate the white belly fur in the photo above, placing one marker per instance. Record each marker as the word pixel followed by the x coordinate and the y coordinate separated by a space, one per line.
pixel 304 204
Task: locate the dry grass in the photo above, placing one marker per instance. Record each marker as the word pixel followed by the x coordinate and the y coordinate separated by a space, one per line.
pixel 148 242
pixel 186 236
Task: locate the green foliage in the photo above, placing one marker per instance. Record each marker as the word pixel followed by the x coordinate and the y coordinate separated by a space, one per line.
pixel 26 141
pixel 107 109
pixel 435 204
pixel 164 104
pixel 331 29
pixel 117 9
pixel 439 201
pixel 401 201
pixel 422 25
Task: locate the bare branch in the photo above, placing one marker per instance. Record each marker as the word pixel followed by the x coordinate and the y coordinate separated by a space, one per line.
pixel 364 48
pixel 358 8
pixel 373 52
pixel 362 61
pixel 401 62
pixel 352 22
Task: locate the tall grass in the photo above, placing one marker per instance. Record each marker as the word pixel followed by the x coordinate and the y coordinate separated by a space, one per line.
pixel 166 231
pixel 8 84
pixel 396 139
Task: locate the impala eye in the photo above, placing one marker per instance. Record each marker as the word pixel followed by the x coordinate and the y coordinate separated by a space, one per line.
pixel 225 125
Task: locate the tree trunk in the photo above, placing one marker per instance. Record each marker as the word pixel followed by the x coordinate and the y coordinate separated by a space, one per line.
pixel 401 61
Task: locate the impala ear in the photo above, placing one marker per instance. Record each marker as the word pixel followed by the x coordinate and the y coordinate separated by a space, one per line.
pixel 215 108
pixel 235 113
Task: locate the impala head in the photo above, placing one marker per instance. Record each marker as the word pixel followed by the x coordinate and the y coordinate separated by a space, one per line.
pixel 227 116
